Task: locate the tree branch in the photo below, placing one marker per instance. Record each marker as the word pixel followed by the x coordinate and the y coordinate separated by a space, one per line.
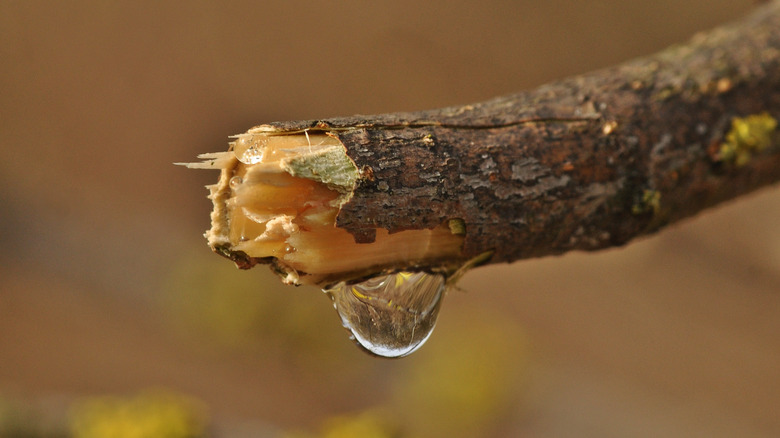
pixel 585 163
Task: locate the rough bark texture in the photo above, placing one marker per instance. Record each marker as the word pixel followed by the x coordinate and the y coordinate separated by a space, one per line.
pixel 584 163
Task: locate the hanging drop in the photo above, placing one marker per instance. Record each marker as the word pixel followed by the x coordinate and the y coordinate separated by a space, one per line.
pixel 390 315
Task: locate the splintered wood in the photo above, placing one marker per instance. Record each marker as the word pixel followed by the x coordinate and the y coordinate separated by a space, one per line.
pixel 276 203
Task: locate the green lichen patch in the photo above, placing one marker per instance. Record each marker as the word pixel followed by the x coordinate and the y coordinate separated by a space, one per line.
pixel 747 136
pixel 649 202
pixel 457 226
pixel 330 166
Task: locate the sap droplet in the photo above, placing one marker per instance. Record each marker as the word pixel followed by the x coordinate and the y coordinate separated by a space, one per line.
pixel 390 315
pixel 249 148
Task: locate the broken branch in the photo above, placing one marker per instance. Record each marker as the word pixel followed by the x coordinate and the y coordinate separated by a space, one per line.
pixel 585 163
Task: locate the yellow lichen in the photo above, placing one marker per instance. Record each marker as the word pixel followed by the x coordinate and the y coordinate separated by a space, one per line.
pixel 650 202
pixel 457 226
pixel 747 136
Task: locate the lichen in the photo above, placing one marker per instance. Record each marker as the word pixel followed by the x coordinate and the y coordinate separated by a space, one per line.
pixel 330 166
pixel 650 201
pixel 747 136
pixel 457 226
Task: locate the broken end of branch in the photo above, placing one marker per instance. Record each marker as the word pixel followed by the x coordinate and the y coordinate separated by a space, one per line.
pixel 276 203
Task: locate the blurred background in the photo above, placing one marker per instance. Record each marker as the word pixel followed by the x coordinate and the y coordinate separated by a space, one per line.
pixel 116 319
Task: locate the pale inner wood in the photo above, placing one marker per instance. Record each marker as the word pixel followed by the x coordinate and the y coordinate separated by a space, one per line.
pixel 273 214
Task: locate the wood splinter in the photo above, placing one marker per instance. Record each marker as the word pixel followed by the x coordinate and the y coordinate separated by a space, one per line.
pixel 581 164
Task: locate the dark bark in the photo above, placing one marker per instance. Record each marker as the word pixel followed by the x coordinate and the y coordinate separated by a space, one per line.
pixel 584 163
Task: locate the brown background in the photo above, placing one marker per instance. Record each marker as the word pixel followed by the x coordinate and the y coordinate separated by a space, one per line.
pixel 106 286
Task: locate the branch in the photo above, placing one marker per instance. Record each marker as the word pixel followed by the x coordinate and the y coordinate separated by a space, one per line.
pixel 585 163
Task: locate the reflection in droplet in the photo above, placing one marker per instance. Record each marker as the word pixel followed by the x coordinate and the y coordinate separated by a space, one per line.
pixel 390 315
pixel 249 148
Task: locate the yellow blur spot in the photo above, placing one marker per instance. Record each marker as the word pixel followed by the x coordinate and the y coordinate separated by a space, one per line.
pixel 364 425
pixel 153 414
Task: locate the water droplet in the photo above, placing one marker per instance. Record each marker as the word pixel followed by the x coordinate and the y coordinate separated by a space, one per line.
pixel 235 182
pixel 249 149
pixel 390 315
